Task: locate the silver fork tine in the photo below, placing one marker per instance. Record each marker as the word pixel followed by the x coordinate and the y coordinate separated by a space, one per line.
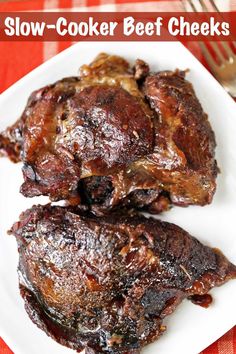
pixel 183 2
pixel 203 5
pixel 224 68
pixel 217 51
pixel 208 56
pixel 204 48
pixel 225 45
pixel 192 5
pixel 228 50
pixel 214 5
pixel 184 6
pixel 215 47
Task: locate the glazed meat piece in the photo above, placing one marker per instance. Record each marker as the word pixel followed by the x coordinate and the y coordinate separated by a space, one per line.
pixel 106 284
pixel 80 127
pixel 182 168
pixel 115 137
pixel 183 159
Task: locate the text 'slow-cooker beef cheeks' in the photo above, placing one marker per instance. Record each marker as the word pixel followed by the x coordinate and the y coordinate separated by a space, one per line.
pixel 105 284
pixel 115 136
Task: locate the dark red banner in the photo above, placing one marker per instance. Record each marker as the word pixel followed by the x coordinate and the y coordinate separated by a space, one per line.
pixel 117 26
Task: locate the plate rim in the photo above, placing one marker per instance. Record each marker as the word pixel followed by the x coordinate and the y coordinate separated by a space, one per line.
pixel 21 82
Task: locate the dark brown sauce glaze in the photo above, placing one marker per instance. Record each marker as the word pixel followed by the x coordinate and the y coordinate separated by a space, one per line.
pixel 107 283
pixel 144 132
pixel 201 300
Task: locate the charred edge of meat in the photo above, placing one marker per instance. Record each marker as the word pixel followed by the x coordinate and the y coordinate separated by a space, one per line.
pixel 95 190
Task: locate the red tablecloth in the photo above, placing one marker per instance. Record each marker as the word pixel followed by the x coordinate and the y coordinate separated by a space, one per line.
pixel 17 59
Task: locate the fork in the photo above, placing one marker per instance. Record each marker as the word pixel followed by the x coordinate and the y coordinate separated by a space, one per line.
pixel 224 68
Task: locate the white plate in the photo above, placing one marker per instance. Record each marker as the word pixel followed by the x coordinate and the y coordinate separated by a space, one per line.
pixel 191 328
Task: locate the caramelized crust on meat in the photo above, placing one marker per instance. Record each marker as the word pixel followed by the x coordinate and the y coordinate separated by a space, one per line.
pixel 183 158
pixel 181 169
pixel 79 127
pixel 106 284
pixel 144 134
